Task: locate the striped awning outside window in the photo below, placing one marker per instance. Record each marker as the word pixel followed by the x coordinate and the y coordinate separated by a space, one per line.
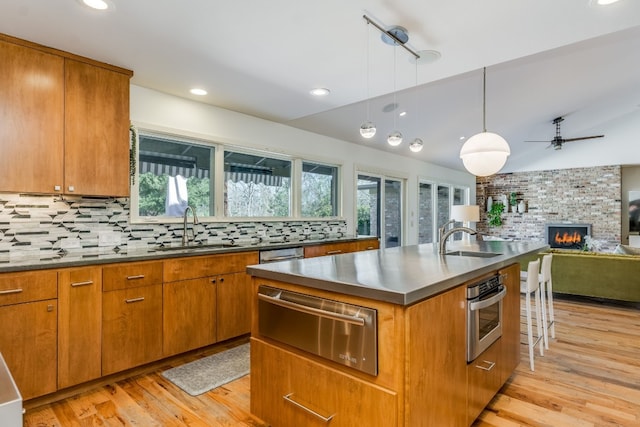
pixel 172 170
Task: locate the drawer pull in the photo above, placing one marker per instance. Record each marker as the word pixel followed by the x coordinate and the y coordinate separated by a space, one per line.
pixel 489 366
pixel 139 276
pixel 132 300
pixel 76 284
pixel 11 291
pixel 338 251
pixel 311 411
pixel 369 248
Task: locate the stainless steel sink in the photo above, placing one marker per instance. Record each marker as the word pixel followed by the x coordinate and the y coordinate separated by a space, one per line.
pixel 195 247
pixel 473 254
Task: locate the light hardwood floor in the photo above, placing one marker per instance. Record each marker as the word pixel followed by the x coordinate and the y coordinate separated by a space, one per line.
pixel 590 376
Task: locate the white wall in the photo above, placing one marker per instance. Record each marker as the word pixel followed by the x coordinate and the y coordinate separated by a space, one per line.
pixel 179 115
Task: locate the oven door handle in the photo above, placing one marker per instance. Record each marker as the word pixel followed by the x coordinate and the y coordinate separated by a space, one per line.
pixel 354 320
pixel 473 306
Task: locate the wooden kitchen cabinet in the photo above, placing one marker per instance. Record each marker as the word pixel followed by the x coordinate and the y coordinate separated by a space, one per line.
pixel 189 315
pixel 96 130
pixel 131 315
pixel 211 293
pixel 66 122
pixel 79 325
pixel 233 293
pixel 317 390
pixel 337 248
pixel 28 338
pixel 32 111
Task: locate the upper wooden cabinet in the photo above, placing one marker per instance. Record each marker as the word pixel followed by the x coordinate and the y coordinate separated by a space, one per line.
pixel 66 122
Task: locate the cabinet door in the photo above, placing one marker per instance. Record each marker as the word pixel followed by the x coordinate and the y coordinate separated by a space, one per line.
pixel 234 305
pixel 96 129
pixel 314 391
pixel 189 315
pixel 484 379
pixel 511 321
pixel 437 362
pixel 32 112
pixel 79 325
pixel 28 339
pixel 131 328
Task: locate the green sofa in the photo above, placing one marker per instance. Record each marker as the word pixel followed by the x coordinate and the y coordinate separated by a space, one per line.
pixel 592 274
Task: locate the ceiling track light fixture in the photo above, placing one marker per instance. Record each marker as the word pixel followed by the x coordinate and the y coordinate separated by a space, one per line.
pixel 484 153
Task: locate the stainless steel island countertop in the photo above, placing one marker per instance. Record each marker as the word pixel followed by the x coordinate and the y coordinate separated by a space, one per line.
pixel 402 275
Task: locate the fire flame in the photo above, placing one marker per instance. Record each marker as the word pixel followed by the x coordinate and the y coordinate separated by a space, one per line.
pixel 568 238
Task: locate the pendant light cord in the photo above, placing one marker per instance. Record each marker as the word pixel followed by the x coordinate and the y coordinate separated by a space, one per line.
pixel 368 65
pixel 484 99
pixel 395 105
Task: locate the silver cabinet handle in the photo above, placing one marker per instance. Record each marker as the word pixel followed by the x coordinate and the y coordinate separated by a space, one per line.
pixel 76 284
pixel 489 366
pixel 338 251
pixel 129 301
pixel 355 320
pixel 311 411
pixel 473 306
pixel 138 276
pixel 11 291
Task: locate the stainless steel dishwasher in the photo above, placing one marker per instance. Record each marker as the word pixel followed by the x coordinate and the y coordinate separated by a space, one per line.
pixel 344 333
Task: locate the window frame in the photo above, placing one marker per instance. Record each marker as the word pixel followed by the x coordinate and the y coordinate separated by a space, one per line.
pixel 434 200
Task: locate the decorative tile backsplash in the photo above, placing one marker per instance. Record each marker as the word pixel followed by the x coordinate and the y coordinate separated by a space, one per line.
pixel 41 227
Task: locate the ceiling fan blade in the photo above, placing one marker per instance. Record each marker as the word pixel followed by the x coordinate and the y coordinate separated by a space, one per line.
pixel 581 138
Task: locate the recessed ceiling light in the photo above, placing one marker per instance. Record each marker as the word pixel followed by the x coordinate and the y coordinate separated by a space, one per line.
pixel 462 138
pixel 320 91
pixel 402 114
pixel 198 91
pixel 606 2
pixel 96 4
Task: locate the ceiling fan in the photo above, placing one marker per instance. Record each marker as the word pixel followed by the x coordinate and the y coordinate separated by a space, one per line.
pixel 558 140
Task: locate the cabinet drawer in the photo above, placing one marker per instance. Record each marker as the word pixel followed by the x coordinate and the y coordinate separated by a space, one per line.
pixel 329 249
pixel 28 286
pixel 366 245
pixel 484 377
pixel 208 265
pixel 289 390
pixel 131 275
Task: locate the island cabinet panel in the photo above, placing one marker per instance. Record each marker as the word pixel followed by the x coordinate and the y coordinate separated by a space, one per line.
pixel 28 338
pixel 296 391
pixel 131 315
pixel 79 325
pixel 510 341
pixel 32 111
pixel 233 293
pixel 96 130
pixel 436 361
pixel 189 315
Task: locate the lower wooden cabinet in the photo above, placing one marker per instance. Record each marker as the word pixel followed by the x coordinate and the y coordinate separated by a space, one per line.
pixel 79 325
pixel 484 378
pixel 189 314
pixel 234 305
pixel 131 327
pixel 296 391
pixel 28 340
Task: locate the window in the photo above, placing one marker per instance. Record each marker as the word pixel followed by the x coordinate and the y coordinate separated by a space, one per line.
pixel 256 185
pixel 379 207
pixel 425 212
pixel 173 173
pixel 319 196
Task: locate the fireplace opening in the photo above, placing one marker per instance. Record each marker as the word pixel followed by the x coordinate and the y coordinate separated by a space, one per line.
pixel 567 236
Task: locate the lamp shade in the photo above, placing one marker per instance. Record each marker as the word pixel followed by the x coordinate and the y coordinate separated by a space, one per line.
pixel 484 153
pixel 465 213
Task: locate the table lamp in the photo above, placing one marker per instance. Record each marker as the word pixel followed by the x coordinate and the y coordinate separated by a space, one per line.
pixel 466 214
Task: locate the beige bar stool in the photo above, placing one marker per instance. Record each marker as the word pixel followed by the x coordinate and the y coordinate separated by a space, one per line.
pixel 546 286
pixel 531 286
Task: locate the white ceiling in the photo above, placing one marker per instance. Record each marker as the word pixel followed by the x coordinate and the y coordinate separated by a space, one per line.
pixel 544 58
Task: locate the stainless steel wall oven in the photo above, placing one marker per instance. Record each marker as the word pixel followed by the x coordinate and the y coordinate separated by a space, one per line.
pixel 484 314
pixel 337 331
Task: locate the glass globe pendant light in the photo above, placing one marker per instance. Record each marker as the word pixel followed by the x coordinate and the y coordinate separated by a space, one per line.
pixel 416 145
pixel 395 137
pixel 368 129
pixel 484 153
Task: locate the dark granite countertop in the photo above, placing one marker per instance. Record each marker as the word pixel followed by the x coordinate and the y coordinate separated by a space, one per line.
pixel 403 275
pixel 77 259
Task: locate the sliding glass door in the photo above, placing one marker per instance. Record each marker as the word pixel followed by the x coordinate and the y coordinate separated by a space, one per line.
pixel 380 208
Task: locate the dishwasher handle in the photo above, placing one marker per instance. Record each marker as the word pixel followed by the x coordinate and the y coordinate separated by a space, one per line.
pixel 354 320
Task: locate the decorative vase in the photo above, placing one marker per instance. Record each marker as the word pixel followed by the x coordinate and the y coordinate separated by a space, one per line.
pixel 521 206
pixel 489 203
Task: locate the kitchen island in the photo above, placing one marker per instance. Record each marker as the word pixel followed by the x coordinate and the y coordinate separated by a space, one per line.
pixel 419 300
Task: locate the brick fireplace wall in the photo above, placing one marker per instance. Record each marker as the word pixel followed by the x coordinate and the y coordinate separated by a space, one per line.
pixel 579 195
